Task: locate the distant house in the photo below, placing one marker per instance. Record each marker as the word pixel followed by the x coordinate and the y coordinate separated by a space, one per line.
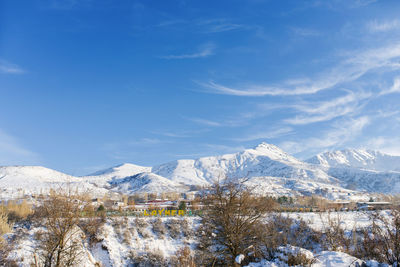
pixel 374 205
pixel 339 205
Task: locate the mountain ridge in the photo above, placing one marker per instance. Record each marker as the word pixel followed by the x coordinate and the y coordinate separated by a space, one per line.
pixel 336 174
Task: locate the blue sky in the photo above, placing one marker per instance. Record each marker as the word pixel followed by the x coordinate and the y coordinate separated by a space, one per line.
pixel 87 84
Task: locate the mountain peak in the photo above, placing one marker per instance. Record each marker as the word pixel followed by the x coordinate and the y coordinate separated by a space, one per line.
pixel 263 146
pixel 357 158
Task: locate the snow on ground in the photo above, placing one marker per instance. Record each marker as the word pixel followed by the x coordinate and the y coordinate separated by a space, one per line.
pixel 348 219
pixel 323 259
pixel 119 237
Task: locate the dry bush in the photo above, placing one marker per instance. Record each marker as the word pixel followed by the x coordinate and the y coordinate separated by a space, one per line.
pixel 381 241
pixel 141 227
pixel 183 257
pixel 334 236
pixel 174 228
pixel 299 260
pixel 17 211
pixel 149 258
pixel 295 256
pixel 127 236
pixel 281 230
pixel 159 227
pixel 187 231
pixel 4 226
pixel 91 227
pixel 141 223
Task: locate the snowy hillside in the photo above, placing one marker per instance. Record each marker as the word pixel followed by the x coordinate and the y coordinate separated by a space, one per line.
pixel 338 174
pixel 145 182
pixel 360 159
pixel 103 177
pixel 367 170
pixel 18 180
pixel 263 160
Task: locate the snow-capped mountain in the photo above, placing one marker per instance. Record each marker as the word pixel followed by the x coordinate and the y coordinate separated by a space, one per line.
pixel 145 182
pixel 263 160
pixel 104 177
pixel 18 180
pixel 268 168
pixel 367 170
pixel 360 159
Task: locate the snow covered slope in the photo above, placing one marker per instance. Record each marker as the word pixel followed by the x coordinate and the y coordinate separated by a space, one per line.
pixel 145 182
pixel 18 180
pixel 104 177
pixel 367 170
pixel 360 159
pixel 336 174
pixel 263 160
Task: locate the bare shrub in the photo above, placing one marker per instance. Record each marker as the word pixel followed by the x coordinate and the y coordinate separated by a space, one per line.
pixel 141 223
pixel 295 256
pixel 187 231
pixel 141 227
pixel 381 241
pixel 159 227
pixel 183 257
pixel 127 236
pixel 334 236
pixel 17 211
pixel 174 228
pixel 149 258
pixel 4 226
pixel 91 227
pixel 281 230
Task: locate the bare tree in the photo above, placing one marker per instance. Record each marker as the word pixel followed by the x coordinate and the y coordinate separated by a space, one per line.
pixel 230 224
pixel 60 243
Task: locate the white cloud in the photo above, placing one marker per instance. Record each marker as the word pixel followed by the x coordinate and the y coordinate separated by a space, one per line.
pixel 206 122
pixel 305 32
pixel 205 51
pixel 328 110
pixel 395 88
pixel 340 134
pixel 218 25
pixel 348 70
pixel 12 152
pixel 383 26
pixel 267 134
pixel 9 68
pixel 388 145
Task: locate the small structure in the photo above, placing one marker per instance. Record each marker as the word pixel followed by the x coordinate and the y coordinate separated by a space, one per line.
pixel 374 205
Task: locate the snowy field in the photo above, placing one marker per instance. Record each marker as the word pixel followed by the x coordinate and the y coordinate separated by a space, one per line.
pixel 122 241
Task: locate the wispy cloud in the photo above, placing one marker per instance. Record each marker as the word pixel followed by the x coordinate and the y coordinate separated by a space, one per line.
pixel 395 88
pixel 383 26
pixel 206 122
pixel 65 4
pixel 305 32
pixel 348 70
pixel 145 141
pixel 12 152
pixel 10 68
pixel 219 25
pixel 389 145
pixel 339 134
pixel 328 110
pixel 264 135
pixel 205 51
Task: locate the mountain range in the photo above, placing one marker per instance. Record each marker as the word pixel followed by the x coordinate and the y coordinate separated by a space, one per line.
pixel 340 174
